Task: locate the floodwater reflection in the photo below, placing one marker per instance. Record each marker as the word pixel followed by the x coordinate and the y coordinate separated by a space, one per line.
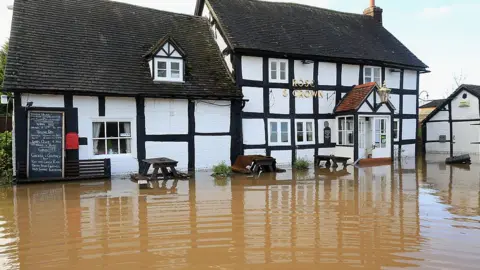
pixel 414 214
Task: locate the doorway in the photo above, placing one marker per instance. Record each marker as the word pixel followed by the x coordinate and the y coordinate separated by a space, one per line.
pixel 374 137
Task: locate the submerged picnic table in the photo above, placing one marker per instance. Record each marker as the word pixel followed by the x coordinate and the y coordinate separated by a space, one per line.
pixel 335 160
pixel 254 164
pixel 163 164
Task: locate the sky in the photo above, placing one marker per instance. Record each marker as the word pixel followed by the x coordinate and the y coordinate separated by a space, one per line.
pixel 442 33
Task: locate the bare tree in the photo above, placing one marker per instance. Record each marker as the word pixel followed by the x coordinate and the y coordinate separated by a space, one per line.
pixel 458 79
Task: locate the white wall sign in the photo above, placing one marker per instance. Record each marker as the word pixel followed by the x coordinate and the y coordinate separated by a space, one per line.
pixel 4 99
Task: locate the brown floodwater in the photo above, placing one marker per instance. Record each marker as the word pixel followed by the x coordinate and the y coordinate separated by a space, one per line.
pixel 420 214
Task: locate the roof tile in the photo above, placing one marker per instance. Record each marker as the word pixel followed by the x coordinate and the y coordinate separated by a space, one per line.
pixel 354 99
pixel 96 46
pixel 310 31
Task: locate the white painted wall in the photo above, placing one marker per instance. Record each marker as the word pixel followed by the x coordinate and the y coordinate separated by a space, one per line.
pixel 410 80
pixel 283 157
pixel 440 115
pixel 278 102
pixel 326 151
pixel 253 131
pixel 409 104
pixel 463 136
pixel 392 78
pixel 326 102
pixel 120 109
pixel 166 116
pixel 350 74
pixel 252 68
pixel 408 150
pixel 365 108
pixel 303 105
pixel 306 154
pixel 255 99
pixel 384 109
pixel 327 73
pixel 212 116
pixel 174 150
pixel 211 150
pixel 249 152
pixel 435 129
pixel 303 71
pixel 321 126
pixel 371 99
pixel 87 110
pixel 436 147
pixel 344 152
pixel 409 129
pixel 395 100
pixel 471 112
pixel 54 101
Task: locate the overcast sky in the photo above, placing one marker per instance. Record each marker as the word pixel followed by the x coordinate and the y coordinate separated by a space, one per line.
pixel 442 33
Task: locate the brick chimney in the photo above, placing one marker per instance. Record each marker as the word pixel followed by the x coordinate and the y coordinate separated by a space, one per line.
pixel 374 12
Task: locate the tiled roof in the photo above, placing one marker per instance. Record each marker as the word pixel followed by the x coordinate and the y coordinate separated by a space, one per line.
pixel 97 46
pixel 305 30
pixel 473 88
pixel 354 99
pixel 433 104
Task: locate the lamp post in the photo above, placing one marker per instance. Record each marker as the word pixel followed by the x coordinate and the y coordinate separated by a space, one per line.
pixel 384 93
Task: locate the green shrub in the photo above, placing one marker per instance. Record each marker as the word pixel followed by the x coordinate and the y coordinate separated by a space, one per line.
pixel 301 164
pixel 6 169
pixel 222 170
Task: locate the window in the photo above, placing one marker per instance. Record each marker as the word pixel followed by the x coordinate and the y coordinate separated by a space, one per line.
pixel 395 129
pixel 361 133
pixel 169 70
pixel 279 132
pixel 112 138
pixel 278 70
pixel 373 74
pixel 345 130
pixel 380 133
pixel 304 131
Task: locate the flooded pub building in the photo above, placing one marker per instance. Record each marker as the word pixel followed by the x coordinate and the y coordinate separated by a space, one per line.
pixel 97 80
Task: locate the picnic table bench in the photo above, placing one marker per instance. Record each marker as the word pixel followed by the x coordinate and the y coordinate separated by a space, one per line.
pixel 254 164
pixel 163 164
pixel 335 160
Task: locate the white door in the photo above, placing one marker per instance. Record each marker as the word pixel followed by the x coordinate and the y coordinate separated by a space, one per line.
pixel 362 137
pixel 381 137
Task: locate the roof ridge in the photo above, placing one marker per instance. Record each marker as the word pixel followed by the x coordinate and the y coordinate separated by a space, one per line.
pixel 307 6
pixel 154 9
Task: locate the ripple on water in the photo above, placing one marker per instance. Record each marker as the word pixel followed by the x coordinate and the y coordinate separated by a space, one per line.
pixel 371 218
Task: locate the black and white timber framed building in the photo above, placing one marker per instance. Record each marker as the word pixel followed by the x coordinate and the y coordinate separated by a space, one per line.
pixel 295 64
pixel 239 77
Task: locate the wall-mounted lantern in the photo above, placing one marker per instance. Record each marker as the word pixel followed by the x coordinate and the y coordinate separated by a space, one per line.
pixel 384 93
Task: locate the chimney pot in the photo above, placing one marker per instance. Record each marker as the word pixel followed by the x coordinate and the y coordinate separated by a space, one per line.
pixel 372 3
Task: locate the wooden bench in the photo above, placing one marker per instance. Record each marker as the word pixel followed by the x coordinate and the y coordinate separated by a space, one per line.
pixel 334 159
pixel 162 164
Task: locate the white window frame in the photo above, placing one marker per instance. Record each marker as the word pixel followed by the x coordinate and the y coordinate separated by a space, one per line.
pixel 343 133
pixel 131 137
pixel 395 135
pixel 362 131
pixel 279 123
pixel 304 131
pixel 372 77
pixel 169 62
pixel 278 71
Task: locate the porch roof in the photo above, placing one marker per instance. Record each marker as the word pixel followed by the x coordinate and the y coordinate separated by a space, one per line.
pixel 355 98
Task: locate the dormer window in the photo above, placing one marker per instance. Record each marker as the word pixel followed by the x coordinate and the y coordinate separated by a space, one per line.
pixel 166 61
pixel 169 69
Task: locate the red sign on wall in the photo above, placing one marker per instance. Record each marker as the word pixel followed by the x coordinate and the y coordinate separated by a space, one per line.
pixel 71 141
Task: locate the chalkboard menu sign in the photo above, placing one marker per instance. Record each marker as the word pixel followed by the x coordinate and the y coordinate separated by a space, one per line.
pixel 45 144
